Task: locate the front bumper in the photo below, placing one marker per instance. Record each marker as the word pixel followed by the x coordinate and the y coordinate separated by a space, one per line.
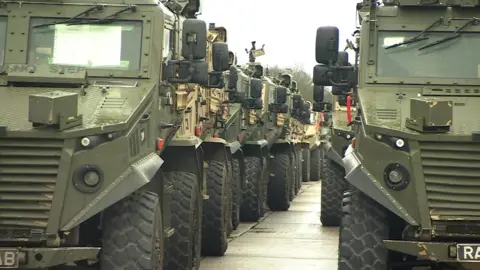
pixel 432 251
pixel 39 258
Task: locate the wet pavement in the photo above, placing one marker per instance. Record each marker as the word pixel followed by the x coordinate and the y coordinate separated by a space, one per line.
pixel 283 240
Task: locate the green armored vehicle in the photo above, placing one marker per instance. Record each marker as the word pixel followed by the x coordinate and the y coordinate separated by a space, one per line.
pixel 305 133
pixel 247 98
pixel 93 158
pixel 285 162
pixel 414 200
pixel 340 114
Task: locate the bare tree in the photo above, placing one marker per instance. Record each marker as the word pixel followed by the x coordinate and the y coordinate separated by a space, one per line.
pixel 303 78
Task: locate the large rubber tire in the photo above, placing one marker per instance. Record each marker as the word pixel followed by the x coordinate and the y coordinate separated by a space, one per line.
pixel 365 225
pixel 183 251
pixel 264 187
pixel 324 164
pixel 315 164
pixel 132 235
pixel 237 193
pixel 306 165
pixel 215 216
pixel 229 184
pixel 250 209
pixel 333 187
pixel 292 175
pixel 300 169
pixel 278 195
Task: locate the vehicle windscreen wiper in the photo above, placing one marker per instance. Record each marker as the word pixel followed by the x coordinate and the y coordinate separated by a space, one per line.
pixel 109 18
pixel 96 7
pixel 454 35
pixel 417 38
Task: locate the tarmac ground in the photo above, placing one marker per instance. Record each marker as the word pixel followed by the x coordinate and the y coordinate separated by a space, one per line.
pixel 294 239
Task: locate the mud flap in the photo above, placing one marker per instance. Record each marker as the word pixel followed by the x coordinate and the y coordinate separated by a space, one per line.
pixel 256 149
pixel 241 160
pixel 332 154
pixel 215 149
pixel 282 146
pixel 184 154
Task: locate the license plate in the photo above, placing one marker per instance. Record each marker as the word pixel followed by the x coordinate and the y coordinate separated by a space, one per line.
pixel 468 252
pixel 9 258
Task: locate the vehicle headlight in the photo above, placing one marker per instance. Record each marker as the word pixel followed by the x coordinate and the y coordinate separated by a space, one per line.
pixel 91 178
pixel 90 142
pixel 88 179
pixel 396 176
pixel 395 142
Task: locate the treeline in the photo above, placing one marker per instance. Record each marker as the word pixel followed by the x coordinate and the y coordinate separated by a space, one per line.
pixel 303 78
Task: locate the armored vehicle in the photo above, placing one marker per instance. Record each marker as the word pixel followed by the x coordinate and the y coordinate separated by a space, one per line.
pixel 285 163
pixel 305 133
pixel 246 97
pixel 194 98
pixel 92 108
pixel 410 165
pixel 341 114
pixel 219 127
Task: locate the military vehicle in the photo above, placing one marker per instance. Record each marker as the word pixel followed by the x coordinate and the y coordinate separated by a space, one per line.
pixel 285 163
pixel 341 115
pixel 217 157
pixel 247 103
pixel 101 126
pixel 305 135
pixel 414 198
pixel 221 124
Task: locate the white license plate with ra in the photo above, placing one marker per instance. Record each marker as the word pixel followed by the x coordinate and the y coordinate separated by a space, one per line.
pixel 468 252
pixel 9 258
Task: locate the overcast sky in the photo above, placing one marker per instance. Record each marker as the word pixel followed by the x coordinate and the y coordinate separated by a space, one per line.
pixel 287 28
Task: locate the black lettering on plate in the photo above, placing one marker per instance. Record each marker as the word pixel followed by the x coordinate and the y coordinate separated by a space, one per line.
pixel 468 252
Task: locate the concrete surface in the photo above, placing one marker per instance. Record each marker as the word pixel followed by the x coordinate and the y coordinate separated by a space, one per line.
pixel 283 240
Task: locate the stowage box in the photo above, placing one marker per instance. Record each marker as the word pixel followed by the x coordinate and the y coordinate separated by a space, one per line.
pixel 46 108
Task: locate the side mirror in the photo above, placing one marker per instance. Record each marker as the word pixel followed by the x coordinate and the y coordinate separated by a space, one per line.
pixel 231 58
pixel 286 80
pixel 294 86
pixel 258 72
pixel 326 45
pixel 233 78
pixel 318 93
pixel 297 102
pixel 256 87
pixel 200 72
pixel 194 39
pixel 342 59
pixel 281 95
pixel 220 57
pixel 320 75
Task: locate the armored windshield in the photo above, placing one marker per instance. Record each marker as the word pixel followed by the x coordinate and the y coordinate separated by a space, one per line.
pixel 3 37
pixel 453 59
pixel 115 45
